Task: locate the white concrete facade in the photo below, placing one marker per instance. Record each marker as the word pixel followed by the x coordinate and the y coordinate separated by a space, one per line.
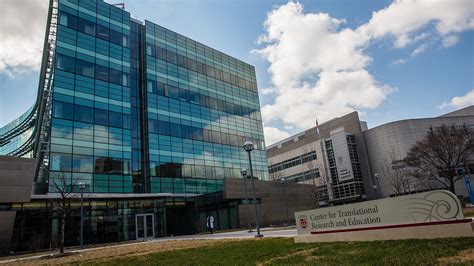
pixel 375 147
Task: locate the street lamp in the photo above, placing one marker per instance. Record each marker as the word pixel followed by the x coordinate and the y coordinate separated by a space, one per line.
pixel 248 147
pixel 282 181
pixel 243 172
pixel 82 187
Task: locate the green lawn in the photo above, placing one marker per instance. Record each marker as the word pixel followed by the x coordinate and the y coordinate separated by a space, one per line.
pixel 282 251
pixel 468 212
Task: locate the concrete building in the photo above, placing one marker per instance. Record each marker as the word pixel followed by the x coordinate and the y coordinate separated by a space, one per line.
pixel 388 144
pixel 346 160
pixel 332 157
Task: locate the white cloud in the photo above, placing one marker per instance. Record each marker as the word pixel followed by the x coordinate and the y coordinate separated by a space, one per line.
pixel 399 62
pixel 459 101
pixel 420 49
pixel 421 37
pixel 273 135
pixel 450 40
pixel 300 44
pixel 404 19
pixel 318 66
pixel 266 91
pixel 335 94
pixel 22 27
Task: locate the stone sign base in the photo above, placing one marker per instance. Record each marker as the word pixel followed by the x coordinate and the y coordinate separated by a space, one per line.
pixel 429 230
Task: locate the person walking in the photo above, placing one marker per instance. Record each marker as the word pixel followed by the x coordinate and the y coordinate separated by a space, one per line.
pixel 210 223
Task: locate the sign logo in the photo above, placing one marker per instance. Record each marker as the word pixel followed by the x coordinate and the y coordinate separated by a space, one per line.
pixel 303 221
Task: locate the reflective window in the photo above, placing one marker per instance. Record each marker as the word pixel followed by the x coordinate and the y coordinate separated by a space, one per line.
pixel 160 53
pixel 164 128
pixel 102 33
pixel 125 79
pixel 181 61
pixel 116 37
pixel 173 92
pixel 115 119
pixel 68 20
pixel 84 68
pixel 115 76
pixel 151 86
pixel 85 26
pixel 60 162
pixel 108 165
pixel 149 49
pixel 161 89
pixel 101 117
pixel 62 110
pixel 194 97
pixel 83 113
pixel 82 163
pixel 171 57
pixel 126 121
pixel 65 62
pixel 184 95
pixel 125 41
pixel 102 73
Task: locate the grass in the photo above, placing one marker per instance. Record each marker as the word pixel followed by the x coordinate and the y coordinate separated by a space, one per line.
pixel 469 212
pixel 282 251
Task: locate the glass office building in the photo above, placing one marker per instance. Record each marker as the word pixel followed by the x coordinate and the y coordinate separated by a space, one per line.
pixel 150 120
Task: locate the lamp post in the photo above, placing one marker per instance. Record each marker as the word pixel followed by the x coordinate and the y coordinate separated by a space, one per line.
pixel 82 187
pixel 248 147
pixel 282 181
pixel 243 172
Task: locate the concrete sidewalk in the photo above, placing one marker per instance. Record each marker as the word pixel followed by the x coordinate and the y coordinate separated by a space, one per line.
pixel 266 232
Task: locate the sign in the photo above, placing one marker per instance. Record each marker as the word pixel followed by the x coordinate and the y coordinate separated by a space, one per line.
pixel 341 154
pixel 433 206
pixel 344 174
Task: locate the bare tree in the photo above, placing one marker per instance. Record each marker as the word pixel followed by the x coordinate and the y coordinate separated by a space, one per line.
pixel 64 185
pixel 442 151
pixel 311 169
pixel 319 192
pixel 395 172
pixel 276 176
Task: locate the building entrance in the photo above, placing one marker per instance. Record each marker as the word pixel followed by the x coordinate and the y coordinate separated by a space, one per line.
pixel 144 226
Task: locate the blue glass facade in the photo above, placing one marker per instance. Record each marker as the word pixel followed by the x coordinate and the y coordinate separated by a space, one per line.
pixel 16 136
pixel 151 121
pixel 141 109
pixel 91 136
pixel 201 107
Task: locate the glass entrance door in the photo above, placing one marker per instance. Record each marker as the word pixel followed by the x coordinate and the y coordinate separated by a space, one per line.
pixel 144 226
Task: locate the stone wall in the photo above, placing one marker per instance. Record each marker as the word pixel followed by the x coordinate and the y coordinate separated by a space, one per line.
pixel 16 177
pixel 272 195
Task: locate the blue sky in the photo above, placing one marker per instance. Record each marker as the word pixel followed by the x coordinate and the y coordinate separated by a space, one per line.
pixel 326 58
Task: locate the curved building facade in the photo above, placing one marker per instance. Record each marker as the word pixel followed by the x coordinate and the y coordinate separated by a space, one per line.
pixel 388 144
pixel 16 138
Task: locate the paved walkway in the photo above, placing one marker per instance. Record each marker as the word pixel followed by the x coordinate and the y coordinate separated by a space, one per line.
pixel 266 232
